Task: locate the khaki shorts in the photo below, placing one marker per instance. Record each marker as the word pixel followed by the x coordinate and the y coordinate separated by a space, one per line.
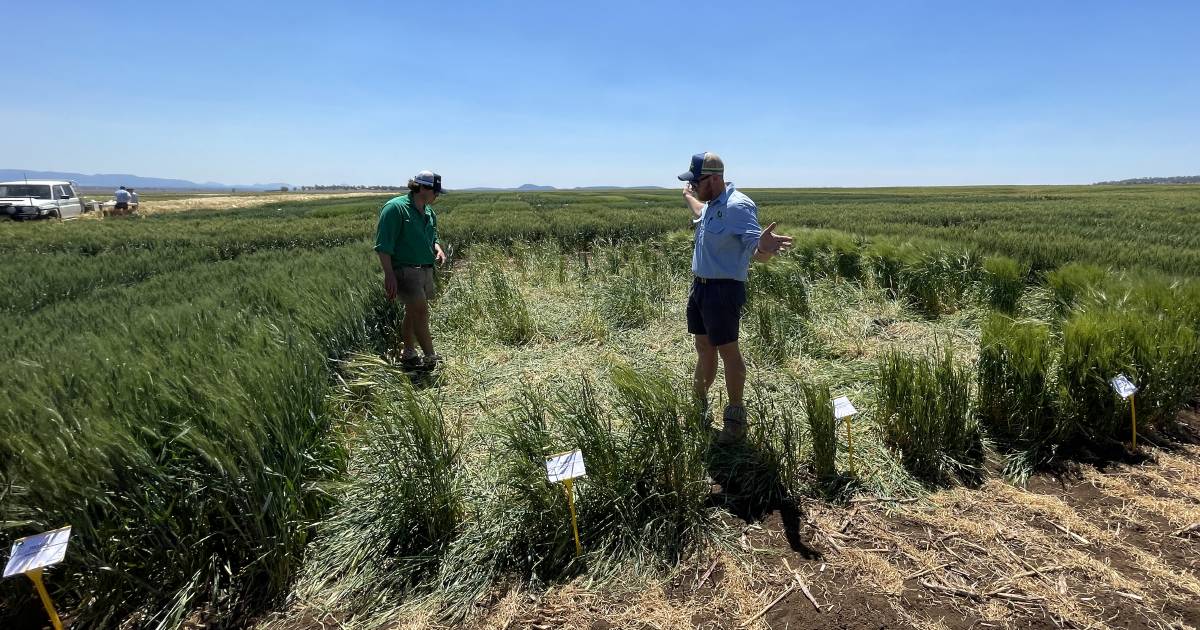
pixel 415 284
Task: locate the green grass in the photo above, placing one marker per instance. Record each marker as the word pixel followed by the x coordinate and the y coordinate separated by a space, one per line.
pixel 398 511
pixel 1160 353
pixel 177 427
pixel 1046 227
pixel 1004 282
pixel 1041 391
pixel 1016 383
pixel 1074 282
pixel 818 407
pixel 928 414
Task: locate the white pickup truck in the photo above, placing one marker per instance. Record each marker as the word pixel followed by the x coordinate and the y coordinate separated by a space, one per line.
pixel 39 199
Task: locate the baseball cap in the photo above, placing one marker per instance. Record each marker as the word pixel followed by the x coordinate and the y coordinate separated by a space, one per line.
pixel 703 164
pixel 431 179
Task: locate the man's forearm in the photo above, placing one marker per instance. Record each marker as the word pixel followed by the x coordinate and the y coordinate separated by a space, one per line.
pixel 385 260
pixel 695 205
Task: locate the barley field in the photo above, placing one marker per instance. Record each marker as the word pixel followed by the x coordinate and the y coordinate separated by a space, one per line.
pixel 211 399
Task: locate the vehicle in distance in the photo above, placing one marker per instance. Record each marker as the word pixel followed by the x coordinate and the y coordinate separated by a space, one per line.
pixel 39 199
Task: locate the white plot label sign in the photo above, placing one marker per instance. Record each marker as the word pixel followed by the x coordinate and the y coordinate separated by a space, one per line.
pixel 1123 386
pixel 37 551
pixel 842 408
pixel 565 466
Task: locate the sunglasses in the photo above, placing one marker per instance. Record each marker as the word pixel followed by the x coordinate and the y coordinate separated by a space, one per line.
pixel 700 180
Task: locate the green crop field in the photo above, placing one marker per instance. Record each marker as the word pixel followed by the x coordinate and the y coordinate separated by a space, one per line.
pixel 209 398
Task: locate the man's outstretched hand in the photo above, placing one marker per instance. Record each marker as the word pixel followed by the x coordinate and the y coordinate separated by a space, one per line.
pixel 771 243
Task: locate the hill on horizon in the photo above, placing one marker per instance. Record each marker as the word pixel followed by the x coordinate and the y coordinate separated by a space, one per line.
pixel 113 180
pixel 1180 179
pixel 539 188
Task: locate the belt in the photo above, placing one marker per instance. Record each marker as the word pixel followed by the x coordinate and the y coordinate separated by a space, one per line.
pixel 418 266
pixel 715 280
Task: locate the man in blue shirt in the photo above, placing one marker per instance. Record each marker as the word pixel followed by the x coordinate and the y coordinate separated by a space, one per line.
pixel 121 197
pixel 727 238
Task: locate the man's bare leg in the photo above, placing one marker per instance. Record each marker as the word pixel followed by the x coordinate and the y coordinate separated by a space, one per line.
pixel 735 372
pixel 735 384
pixel 706 368
pixel 420 328
pixel 408 332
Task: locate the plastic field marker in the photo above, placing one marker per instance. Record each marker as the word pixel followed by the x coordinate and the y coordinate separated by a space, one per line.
pixel 1133 417
pixel 32 554
pixel 565 467
pixel 36 576
pixel 1126 389
pixel 842 408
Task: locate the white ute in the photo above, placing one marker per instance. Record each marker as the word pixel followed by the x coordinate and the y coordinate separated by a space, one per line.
pixel 39 199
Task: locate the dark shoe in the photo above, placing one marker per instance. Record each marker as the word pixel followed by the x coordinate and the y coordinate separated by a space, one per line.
pixel 735 425
pixel 410 362
pixel 429 362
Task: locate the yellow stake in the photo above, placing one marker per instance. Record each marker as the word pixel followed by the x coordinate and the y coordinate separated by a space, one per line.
pixel 850 443
pixel 1133 411
pixel 574 525
pixel 36 576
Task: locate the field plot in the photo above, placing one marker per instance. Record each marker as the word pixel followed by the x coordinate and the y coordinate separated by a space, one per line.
pixel 210 399
pixel 155 202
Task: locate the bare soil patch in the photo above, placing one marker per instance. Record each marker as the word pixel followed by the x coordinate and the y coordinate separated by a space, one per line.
pixel 1094 549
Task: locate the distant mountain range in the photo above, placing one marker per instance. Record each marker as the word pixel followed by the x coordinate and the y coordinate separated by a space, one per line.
pixel 1183 179
pixel 537 188
pixel 113 180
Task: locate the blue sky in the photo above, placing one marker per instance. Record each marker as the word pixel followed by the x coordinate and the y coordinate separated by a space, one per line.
pixel 577 94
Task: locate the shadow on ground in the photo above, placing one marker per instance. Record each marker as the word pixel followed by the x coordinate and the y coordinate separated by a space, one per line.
pixel 751 489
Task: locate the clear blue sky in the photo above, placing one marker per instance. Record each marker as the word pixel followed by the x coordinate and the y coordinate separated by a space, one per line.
pixel 576 94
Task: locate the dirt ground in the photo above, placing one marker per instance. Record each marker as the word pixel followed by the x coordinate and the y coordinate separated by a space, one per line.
pixel 238 201
pixel 1113 545
pixel 149 205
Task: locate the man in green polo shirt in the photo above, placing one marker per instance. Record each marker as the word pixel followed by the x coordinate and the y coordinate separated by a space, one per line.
pixel 407 243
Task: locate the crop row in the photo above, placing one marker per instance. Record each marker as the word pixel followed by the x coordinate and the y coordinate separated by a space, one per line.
pixel 177 425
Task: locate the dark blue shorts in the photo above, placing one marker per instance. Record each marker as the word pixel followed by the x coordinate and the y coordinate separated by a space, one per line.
pixel 714 308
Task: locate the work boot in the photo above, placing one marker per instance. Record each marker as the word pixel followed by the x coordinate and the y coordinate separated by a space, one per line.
pixel 735 425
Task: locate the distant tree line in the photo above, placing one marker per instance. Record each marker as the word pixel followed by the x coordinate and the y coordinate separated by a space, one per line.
pixel 337 187
pixel 1184 179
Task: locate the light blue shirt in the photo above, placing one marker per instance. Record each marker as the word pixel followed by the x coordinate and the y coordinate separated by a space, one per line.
pixel 727 233
pixel 122 196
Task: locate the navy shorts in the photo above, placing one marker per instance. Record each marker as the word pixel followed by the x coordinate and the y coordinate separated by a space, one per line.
pixel 714 308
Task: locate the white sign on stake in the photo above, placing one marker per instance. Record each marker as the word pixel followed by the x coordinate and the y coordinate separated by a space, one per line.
pixel 1123 386
pixel 565 466
pixel 37 551
pixel 842 408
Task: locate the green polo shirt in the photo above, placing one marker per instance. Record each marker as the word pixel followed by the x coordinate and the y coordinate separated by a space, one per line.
pixel 405 233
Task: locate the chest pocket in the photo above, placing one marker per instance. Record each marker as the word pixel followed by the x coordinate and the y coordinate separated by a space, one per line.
pixel 416 221
pixel 714 224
